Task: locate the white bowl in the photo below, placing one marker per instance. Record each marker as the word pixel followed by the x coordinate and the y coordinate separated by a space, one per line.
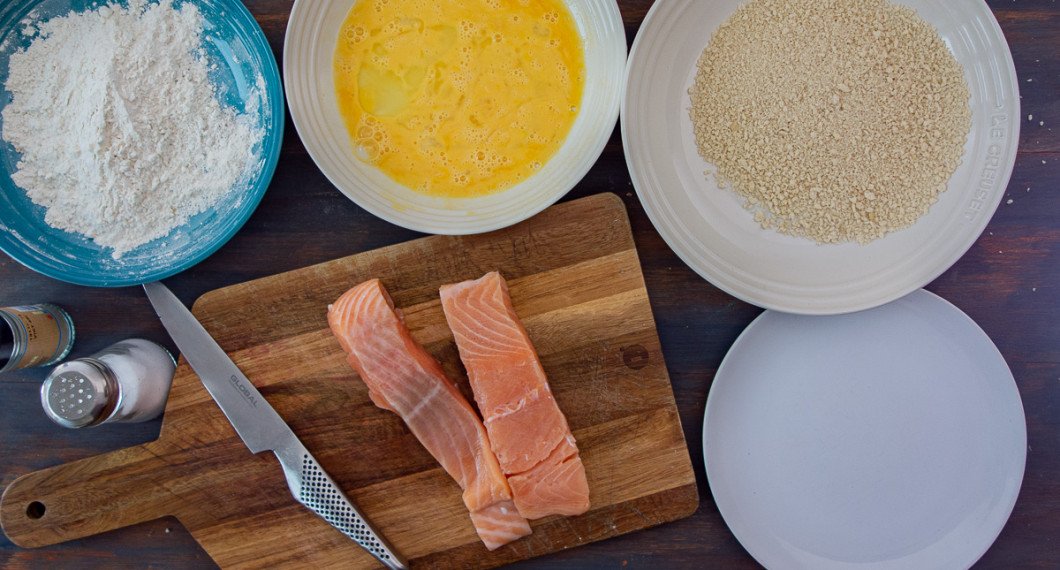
pixel 712 232
pixel 309 47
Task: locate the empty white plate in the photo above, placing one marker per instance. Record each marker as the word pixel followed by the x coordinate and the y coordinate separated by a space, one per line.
pixel 889 438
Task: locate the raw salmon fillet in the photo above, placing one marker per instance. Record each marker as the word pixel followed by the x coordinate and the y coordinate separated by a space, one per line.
pixel 526 428
pixel 403 378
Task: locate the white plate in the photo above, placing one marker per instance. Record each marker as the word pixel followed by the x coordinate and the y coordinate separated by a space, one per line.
pixel 309 47
pixel 892 438
pixel 709 229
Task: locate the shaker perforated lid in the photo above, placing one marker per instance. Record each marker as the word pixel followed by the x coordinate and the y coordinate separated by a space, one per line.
pixel 79 393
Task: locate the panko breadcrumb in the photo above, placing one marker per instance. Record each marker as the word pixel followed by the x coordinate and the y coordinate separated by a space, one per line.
pixel 836 120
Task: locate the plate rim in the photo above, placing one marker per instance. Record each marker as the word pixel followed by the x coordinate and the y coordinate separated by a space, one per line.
pixel 927 296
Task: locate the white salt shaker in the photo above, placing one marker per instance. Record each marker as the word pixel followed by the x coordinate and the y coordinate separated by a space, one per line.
pixel 124 383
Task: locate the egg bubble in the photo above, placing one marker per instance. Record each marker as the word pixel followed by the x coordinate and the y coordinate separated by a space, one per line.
pixel 369 150
pixel 467 30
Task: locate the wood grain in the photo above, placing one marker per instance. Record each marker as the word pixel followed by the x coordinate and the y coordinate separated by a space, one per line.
pixel 576 282
pixel 1008 282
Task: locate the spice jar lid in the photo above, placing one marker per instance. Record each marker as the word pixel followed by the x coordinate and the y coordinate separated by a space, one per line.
pixel 79 393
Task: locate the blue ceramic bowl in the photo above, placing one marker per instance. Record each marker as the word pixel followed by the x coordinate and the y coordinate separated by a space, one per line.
pixel 239 48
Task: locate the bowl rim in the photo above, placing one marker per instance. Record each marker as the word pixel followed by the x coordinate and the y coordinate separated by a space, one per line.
pixel 271 145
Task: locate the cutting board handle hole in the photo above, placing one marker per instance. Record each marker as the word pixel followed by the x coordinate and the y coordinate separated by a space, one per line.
pixel 35 510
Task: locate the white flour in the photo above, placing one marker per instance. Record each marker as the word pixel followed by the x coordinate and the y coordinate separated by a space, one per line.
pixel 120 132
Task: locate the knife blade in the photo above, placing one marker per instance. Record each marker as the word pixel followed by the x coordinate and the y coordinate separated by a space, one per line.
pixel 262 429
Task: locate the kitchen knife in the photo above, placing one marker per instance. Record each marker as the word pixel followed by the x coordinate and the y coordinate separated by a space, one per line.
pixel 262 429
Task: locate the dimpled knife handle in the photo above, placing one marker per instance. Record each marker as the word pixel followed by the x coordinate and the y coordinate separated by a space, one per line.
pixel 312 486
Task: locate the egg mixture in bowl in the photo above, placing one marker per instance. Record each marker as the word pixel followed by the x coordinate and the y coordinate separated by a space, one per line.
pixel 454 116
pixel 458 98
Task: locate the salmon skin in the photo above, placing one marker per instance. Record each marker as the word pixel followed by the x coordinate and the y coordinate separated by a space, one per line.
pixel 403 378
pixel 527 430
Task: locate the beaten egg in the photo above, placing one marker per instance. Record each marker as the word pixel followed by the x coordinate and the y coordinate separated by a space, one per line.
pixel 458 98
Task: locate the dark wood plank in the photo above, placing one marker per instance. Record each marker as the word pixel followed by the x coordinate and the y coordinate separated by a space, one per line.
pixel 1008 283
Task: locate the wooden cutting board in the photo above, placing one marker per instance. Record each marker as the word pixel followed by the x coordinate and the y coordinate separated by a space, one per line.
pixel 575 281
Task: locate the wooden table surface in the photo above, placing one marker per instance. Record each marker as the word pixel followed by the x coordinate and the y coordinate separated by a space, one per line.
pixel 1007 282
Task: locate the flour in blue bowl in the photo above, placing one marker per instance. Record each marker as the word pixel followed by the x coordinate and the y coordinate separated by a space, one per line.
pixel 120 132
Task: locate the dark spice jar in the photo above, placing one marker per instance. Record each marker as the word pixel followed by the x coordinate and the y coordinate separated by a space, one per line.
pixel 34 335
